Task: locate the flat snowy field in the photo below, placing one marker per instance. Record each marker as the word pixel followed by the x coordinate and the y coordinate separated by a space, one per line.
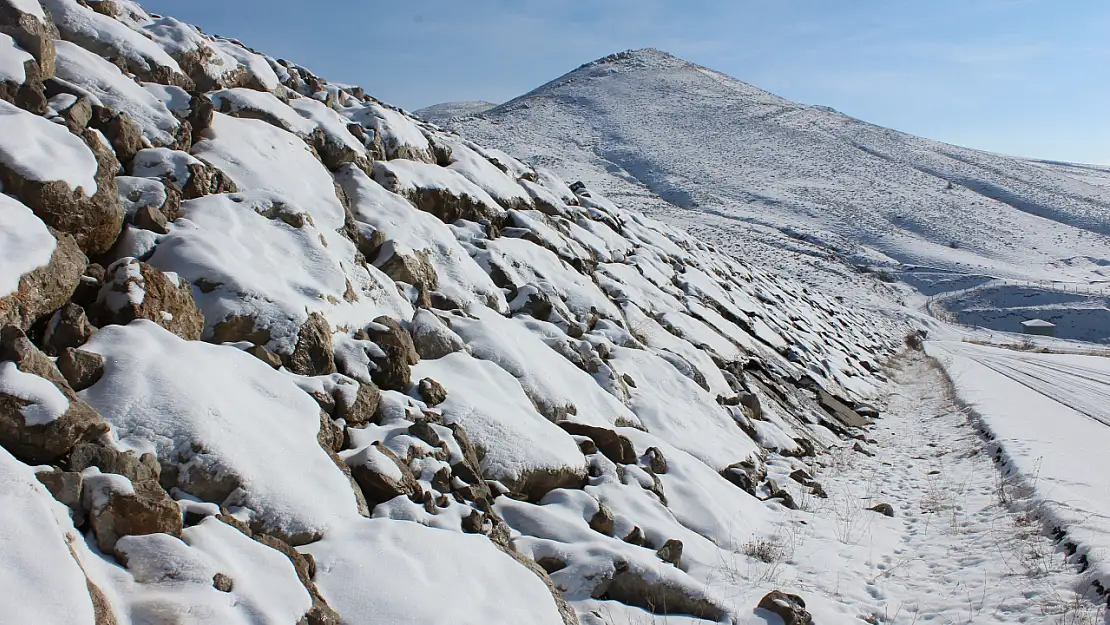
pixel 1049 416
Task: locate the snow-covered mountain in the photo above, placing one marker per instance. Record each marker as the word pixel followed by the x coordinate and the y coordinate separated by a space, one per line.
pixel 273 351
pixel 445 112
pixel 757 174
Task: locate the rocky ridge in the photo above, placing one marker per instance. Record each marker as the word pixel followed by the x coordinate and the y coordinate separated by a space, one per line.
pixel 267 339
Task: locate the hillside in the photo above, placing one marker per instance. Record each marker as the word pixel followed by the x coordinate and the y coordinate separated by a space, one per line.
pixel 443 113
pixel 757 174
pixel 273 351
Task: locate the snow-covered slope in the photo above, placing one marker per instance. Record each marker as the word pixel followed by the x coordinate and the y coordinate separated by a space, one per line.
pixel 754 172
pixel 442 113
pixel 274 351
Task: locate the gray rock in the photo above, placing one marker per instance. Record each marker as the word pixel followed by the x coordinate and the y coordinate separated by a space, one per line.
pixel 790 608
pixel 432 338
pixel 69 327
pixel 432 392
pixel 313 354
pixel 45 289
pixel 166 301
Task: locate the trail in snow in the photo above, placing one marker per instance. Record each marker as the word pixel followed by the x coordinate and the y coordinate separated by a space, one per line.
pixel 960 547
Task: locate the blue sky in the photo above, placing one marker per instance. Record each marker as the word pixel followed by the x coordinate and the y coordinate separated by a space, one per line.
pixel 1025 77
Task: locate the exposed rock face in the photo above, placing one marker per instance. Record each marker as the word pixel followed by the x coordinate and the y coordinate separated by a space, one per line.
pixel 313 354
pixel 393 371
pixel 135 290
pixel 614 446
pixel 363 409
pixel 80 368
pixel 148 510
pixel 45 289
pixel 790 608
pixel 69 327
pixel 95 221
pixel 32 34
pixel 433 392
pixel 40 424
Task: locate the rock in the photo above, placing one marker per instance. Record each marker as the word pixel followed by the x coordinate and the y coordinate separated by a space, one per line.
pixel 655 460
pixel 222 582
pixel 790 608
pixel 266 356
pixel 330 436
pixel 393 371
pixel 205 180
pixel 432 338
pixel 657 595
pixel 313 354
pixel 745 475
pixel 382 475
pixel 69 327
pixel 95 222
pixel 151 218
pixel 671 552
pixel 414 268
pixel 432 392
pixel 66 487
pixel 861 449
pixel 884 509
pixel 840 410
pixel 144 468
pixel 135 290
pixel 80 368
pixel 77 115
pixel 122 132
pixel 149 510
pixel 365 407
pixel 45 289
pixel 614 446
pixel 201 112
pixel 47 441
pixel 751 402
pixel 32 34
pixel 602 521
pixel 802 477
pixel 28 95
pixel 635 537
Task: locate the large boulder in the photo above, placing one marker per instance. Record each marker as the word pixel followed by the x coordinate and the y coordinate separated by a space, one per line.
pixel 20 78
pixel 432 338
pixel 313 353
pixel 790 608
pixel 34 291
pixel 135 290
pixel 145 510
pixel 33 33
pixel 393 371
pixel 41 418
pixel 69 183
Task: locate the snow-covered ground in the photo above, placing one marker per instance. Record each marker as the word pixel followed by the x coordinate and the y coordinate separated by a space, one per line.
pixel 1050 424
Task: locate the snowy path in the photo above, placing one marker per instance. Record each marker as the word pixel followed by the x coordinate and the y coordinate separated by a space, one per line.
pixel 954 552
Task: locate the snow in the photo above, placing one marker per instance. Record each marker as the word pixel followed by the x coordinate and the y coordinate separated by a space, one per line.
pixel 396 129
pixel 107 86
pixel 25 243
pixel 30 7
pixel 500 419
pixel 41 150
pixel 255 64
pixel 89 28
pixel 333 125
pixel 240 100
pixel 472 582
pixel 485 174
pixel 458 276
pixel 552 383
pixel 233 242
pixel 258 156
pixel 1048 416
pixel 217 411
pixel 675 409
pixel 440 113
pixel 45 403
pixel 12 58
pixel 176 99
pixel 42 582
pixel 164 163
pixel 413 176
